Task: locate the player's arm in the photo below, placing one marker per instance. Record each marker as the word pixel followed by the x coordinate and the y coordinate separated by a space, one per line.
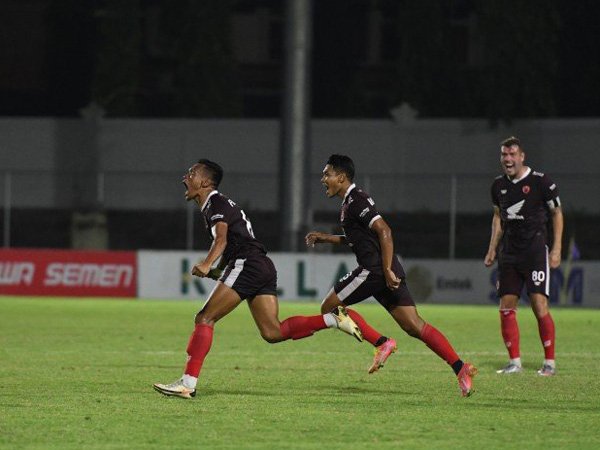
pixel 216 272
pixel 494 238
pixel 316 237
pixel 386 243
pixel 202 269
pixel 557 227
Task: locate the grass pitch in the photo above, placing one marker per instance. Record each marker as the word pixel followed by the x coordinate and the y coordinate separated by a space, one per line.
pixel 78 374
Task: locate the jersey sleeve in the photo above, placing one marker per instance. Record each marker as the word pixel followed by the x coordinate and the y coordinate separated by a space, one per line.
pixel 364 210
pixel 219 211
pixel 550 192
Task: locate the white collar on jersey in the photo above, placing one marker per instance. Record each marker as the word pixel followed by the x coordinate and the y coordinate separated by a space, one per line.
pixel 352 186
pixel 208 198
pixel 516 180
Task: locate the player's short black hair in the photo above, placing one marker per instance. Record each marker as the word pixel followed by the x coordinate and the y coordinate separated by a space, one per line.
pixel 214 171
pixel 342 163
pixel 509 142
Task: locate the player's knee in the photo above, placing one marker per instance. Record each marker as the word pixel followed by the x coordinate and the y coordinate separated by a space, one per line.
pixel 412 327
pixel 203 319
pixel 271 336
pixel 412 330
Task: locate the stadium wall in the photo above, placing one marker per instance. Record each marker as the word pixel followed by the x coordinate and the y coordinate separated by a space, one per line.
pixel 413 158
pixel 304 277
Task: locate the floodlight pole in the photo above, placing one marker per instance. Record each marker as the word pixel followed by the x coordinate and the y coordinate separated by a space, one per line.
pixel 294 149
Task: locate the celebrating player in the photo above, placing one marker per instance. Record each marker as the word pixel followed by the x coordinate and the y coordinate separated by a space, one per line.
pixel 379 273
pixel 244 272
pixel 522 199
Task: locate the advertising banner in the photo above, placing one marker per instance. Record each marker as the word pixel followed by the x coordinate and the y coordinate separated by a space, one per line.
pixel 68 273
pixel 309 276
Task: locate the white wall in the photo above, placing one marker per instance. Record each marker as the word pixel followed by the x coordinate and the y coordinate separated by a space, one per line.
pixel 405 166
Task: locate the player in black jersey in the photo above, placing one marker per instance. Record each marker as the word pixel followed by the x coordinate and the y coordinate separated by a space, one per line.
pixel 244 272
pixel 522 200
pixel 379 273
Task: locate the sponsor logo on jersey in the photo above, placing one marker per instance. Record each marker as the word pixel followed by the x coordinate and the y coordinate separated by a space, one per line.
pixel 503 191
pixel 513 211
pixel 553 187
pixel 217 216
pixel 364 212
pixel 538 174
pixel 526 189
pixel 371 201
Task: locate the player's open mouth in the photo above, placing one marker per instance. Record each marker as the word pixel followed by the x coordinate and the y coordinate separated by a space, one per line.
pixel 187 192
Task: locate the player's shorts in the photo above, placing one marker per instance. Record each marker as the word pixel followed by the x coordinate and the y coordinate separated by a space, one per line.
pixel 251 276
pixel 360 284
pixel 529 267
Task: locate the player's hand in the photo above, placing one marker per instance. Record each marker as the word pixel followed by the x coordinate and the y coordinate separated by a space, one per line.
pixel 312 238
pixel 554 259
pixel 201 270
pixel 490 258
pixel 214 273
pixel 391 280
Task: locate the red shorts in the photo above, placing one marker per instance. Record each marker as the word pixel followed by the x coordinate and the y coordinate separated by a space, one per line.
pixel 356 286
pixel 251 276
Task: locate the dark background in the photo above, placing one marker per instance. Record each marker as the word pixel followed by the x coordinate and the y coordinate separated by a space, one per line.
pixel 493 59
pixel 446 58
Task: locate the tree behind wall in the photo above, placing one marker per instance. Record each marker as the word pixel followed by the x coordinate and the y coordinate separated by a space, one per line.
pixel 521 63
pixel 188 72
pixel 515 77
pixel 198 40
pixel 116 85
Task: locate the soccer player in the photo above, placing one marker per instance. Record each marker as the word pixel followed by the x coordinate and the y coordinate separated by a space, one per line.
pixel 522 199
pixel 379 272
pixel 244 272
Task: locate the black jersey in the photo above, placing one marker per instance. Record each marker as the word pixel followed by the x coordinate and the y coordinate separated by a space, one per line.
pixel 240 237
pixel 357 215
pixel 524 206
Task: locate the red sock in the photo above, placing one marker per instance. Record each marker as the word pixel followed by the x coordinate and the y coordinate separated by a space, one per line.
pixel 197 349
pixel 298 327
pixel 510 332
pixel 437 342
pixel 546 327
pixel 369 333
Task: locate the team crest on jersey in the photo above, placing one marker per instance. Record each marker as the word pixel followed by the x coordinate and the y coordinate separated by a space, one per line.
pixel 526 189
pixel 503 191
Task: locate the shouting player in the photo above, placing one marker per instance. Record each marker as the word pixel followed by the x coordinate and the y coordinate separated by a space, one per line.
pixel 379 273
pixel 522 199
pixel 244 272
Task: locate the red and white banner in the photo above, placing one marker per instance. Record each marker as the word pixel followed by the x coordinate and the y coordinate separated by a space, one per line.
pixel 68 273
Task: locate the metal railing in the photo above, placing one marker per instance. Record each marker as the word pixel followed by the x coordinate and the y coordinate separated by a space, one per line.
pixel 450 194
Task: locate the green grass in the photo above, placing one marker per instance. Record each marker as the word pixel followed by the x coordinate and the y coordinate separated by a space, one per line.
pixel 78 375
